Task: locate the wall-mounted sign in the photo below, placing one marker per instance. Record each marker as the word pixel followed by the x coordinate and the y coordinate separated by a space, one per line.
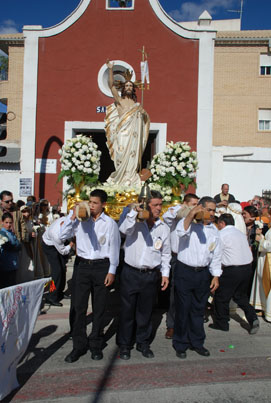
pixel 100 109
pixel 25 187
pixel 45 166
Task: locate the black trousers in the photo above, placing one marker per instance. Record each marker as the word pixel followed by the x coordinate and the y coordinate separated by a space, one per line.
pixel 137 293
pixel 233 284
pixel 73 283
pixel 7 278
pixel 58 271
pixel 89 279
pixel 191 295
pixel 171 310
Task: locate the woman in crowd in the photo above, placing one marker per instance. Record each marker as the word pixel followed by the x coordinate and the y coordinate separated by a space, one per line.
pixel 9 252
pixel 26 269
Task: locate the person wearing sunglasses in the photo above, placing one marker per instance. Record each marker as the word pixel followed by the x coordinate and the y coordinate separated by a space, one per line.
pixel 7 205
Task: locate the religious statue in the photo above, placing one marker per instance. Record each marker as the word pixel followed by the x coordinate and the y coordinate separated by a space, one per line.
pixel 127 130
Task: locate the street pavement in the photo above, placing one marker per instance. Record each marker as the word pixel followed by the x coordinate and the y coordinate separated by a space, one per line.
pixel 238 370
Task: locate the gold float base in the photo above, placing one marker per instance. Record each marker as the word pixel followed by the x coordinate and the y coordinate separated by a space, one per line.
pixel 115 207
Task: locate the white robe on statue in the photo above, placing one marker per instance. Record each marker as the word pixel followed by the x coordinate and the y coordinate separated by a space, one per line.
pixel 258 297
pixel 127 137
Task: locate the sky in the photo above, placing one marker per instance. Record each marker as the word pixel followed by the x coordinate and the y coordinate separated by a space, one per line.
pixel 17 13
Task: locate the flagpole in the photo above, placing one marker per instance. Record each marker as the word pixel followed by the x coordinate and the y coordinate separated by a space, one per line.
pixel 142 84
pixel 142 102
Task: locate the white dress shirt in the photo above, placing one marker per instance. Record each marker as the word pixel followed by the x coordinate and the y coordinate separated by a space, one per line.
pixel 170 219
pixel 144 247
pixel 235 248
pixel 200 246
pixel 51 237
pixel 97 239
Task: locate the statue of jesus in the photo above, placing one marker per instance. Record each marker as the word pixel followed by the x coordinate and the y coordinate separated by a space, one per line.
pixel 127 130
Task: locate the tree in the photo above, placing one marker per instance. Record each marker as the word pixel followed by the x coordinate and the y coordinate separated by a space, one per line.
pixel 3 66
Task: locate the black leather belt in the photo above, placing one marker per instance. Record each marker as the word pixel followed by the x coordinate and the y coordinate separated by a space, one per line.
pixel 199 268
pixel 236 266
pixel 92 261
pixel 145 270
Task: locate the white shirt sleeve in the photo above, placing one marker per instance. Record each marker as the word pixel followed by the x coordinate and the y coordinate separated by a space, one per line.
pixel 59 244
pixel 128 225
pixel 166 257
pixel 67 230
pixel 215 265
pixel 170 215
pixel 114 248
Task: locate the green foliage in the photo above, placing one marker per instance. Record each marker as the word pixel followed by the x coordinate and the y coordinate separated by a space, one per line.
pixel 3 63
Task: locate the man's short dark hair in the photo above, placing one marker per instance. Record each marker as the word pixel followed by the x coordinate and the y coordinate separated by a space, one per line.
pixel 206 199
pixel 31 199
pixel 7 215
pixel 252 211
pixel 5 193
pixel 156 195
pixel 226 218
pixel 99 193
pixel 189 196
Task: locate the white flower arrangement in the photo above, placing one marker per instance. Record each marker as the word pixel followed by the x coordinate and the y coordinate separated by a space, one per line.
pixel 3 239
pixel 80 161
pixel 176 165
pixel 259 224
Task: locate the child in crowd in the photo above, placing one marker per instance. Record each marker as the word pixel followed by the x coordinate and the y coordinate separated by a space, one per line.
pixel 9 252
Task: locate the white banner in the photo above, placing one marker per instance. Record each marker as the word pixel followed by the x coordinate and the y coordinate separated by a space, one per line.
pixel 145 72
pixel 19 308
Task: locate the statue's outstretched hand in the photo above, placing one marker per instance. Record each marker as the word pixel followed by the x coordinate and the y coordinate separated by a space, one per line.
pixel 109 64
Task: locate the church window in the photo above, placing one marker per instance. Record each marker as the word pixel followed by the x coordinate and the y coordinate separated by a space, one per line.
pixel 120 4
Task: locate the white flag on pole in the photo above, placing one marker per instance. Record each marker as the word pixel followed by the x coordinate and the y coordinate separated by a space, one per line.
pixel 144 67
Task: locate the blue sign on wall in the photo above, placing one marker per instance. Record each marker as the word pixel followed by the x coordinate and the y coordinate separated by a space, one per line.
pixel 100 109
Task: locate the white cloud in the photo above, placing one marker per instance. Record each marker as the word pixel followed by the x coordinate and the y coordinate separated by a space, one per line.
pixel 190 11
pixel 8 27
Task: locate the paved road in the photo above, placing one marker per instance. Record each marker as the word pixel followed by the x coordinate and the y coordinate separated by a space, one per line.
pixel 238 370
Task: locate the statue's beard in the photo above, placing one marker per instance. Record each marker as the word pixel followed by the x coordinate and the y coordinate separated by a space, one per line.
pixel 128 94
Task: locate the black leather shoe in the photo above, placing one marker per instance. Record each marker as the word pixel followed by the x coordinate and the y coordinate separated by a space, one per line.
pixel 125 353
pixel 75 355
pixel 216 327
pixel 145 350
pixel 97 355
pixel 53 303
pixel 254 326
pixel 201 351
pixel 181 354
